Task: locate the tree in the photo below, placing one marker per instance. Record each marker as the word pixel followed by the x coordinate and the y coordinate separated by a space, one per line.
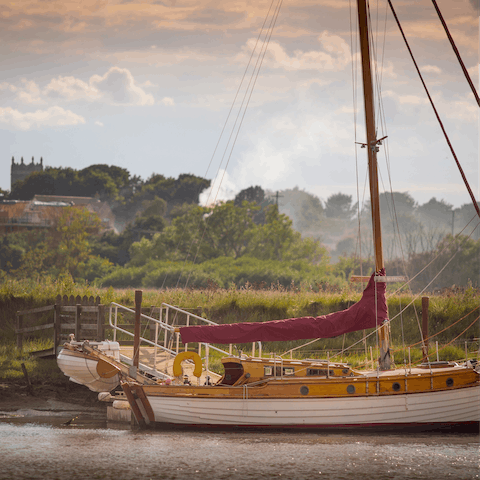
pixel 71 245
pixel 435 213
pixel 463 257
pixel 467 215
pixel 254 194
pixel 101 180
pixel 395 208
pixel 11 252
pixel 339 205
pixel 250 194
pixel 120 176
pixel 41 183
pixel 63 249
pixel 310 214
pixel 277 240
pixel 304 209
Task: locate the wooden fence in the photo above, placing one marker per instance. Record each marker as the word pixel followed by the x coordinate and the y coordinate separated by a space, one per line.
pixel 84 317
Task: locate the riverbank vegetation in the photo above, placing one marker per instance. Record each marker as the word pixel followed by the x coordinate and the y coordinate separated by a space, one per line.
pixel 453 315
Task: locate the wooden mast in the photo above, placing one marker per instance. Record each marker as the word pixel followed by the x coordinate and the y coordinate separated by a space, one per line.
pixel 384 361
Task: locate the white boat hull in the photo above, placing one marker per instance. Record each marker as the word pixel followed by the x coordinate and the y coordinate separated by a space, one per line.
pixel 83 370
pixel 442 407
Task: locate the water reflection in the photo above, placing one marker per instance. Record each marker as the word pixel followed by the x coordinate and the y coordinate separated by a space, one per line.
pixel 88 448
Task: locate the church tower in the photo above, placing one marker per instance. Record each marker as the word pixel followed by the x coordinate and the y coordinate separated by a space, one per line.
pixel 20 171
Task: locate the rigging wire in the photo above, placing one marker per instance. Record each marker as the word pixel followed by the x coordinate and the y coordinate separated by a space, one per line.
pixel 431 281
pixel 353 48
pixel 254 51
pixel 244 106
pixel 446 328
pixel 224 127
pixel 457 53
pixel 382 119
pixel 475 203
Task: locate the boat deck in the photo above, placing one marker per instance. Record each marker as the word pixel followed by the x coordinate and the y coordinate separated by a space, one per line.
pixel 163 362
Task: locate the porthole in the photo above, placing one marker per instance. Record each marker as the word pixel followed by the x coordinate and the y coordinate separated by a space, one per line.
pixel 350 389
pixel 345 371
pixel 396 387
pixel 449 382
pixel 304 390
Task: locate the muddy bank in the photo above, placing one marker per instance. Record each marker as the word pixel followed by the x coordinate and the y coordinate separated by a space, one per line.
pixel 62 397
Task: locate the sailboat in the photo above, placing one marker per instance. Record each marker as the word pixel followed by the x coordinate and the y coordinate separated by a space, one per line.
pixel 276 392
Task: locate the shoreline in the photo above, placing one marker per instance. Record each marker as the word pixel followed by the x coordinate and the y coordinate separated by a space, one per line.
pixel 66 398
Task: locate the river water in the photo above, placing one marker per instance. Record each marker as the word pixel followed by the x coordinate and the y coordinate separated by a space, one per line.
pixel 87 448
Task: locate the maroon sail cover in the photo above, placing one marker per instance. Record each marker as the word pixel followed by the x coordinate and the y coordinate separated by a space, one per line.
pixel 367 313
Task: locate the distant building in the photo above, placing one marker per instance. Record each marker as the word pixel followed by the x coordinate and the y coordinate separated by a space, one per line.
pixel 102 209
pixel 20 171
pixel 45 210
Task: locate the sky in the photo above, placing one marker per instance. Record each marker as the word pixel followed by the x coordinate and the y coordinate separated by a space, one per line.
pixel 148 86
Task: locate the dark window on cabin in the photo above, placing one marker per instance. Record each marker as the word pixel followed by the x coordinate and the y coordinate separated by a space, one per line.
pixel 319 372
pixel 233 371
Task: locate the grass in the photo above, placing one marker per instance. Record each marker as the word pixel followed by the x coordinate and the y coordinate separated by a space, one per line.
pixel 250 304
pixel 40 371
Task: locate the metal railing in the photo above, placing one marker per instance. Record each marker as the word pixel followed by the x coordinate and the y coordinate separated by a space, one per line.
pixel 168 324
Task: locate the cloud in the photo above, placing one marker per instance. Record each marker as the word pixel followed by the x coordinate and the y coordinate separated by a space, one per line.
pixel 335 55
pixel 30 93
pixel 118 85
pixel 168 101
pixel 51 117
pixel 431 69
pixel 71 88
pixel 98 123
pixel 406 99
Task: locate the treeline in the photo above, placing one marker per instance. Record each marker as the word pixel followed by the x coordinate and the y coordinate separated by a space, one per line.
pixel 408 227
pixel 127 195
pixel 168 240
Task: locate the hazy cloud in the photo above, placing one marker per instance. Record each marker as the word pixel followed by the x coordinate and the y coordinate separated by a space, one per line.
pixel 71 88
pixel 431 69
pixel 51 117
pixel 119 86
pixel 116 86
pixel 335 55
pixel 169 102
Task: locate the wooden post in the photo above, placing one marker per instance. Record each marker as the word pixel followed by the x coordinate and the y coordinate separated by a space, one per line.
pixel 29 385
pixel 425 302
pixel 100 323
pixel 136 332
pixel 57 326
pixel 19 335
pixel 78 323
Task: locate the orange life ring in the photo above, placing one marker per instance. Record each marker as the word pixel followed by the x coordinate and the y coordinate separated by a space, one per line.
pixel 177 363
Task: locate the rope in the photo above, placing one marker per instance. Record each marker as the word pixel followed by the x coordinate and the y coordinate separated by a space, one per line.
pixel 446 328
pixel 451 341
